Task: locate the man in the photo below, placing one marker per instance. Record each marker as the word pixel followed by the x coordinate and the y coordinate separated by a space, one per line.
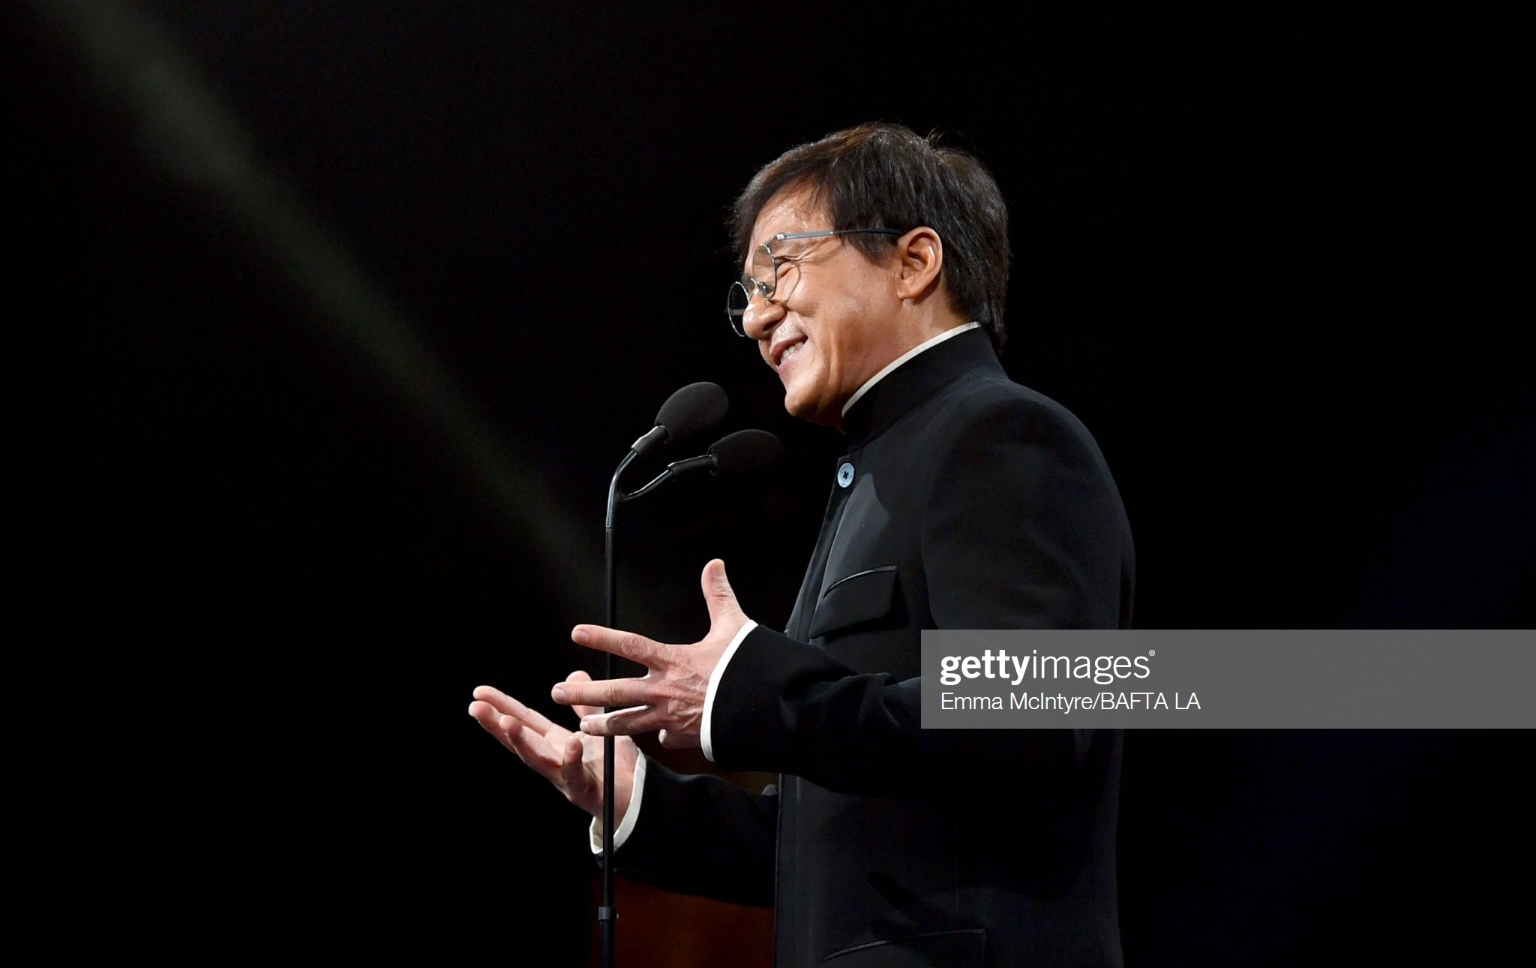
pixel 876 268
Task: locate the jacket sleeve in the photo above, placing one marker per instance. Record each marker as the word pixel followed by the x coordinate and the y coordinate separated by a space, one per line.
pixel 703 835
pixel 1021 529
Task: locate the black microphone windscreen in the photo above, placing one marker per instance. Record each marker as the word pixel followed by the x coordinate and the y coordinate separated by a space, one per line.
pixel 746 452
pixel 692 410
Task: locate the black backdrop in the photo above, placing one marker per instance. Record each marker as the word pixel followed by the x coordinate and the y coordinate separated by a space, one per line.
pixel 330 320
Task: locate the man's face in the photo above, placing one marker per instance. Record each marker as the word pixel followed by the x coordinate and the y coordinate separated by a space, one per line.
pixel 828 327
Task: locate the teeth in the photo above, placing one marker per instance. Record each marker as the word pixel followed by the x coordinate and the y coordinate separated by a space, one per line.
pixel 790 352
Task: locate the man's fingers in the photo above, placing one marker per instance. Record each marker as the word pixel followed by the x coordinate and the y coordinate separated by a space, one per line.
pixel 493 720
pixel 529 745
pixel 581 710
pixel 508 706
pixel 572 772
pixel 604 692
pixel 626 645
pixel 549 756
pixel 523 730
pixel 491 696
pixel 487 716
pixel 621 722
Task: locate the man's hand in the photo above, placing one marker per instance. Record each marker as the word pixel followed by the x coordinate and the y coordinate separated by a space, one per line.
pixel 573 762
pixel 670 697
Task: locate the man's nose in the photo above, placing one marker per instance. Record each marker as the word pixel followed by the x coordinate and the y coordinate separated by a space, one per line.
pixel 762 315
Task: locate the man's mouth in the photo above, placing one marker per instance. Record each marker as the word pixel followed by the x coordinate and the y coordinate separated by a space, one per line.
pixel 788 352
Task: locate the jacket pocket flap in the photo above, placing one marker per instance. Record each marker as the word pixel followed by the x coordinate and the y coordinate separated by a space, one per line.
pixel 965 948
pixel 860 597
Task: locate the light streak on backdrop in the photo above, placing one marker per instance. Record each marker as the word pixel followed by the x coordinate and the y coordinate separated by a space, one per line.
pixel 138 72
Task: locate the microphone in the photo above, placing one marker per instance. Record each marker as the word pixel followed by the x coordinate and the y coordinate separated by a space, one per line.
pixel 692 410
pixel 744 452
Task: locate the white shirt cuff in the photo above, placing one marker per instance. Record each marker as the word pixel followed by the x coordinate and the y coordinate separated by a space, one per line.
pixel 626 822
pixel 705 742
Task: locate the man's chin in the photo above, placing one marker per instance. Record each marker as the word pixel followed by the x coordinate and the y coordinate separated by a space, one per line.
pixel 813 411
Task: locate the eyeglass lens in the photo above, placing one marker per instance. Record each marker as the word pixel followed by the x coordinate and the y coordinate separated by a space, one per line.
pixel 736 307
pixel 763 280
pixel 765 271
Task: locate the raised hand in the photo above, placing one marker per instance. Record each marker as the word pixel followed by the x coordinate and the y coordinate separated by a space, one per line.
pixel 670 697
pixel 572 761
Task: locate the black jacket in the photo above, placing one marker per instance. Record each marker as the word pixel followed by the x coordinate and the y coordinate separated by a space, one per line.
pixel 964 501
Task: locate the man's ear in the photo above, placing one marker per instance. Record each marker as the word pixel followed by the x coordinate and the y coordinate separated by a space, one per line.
pixel 921 254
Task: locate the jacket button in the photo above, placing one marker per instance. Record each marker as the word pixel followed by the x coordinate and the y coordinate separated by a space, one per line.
pixel 845 475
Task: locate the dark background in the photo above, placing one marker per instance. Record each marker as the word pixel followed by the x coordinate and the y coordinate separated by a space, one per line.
pixel 330 321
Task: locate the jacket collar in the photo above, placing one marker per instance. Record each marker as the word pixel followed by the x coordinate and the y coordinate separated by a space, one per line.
pixel 914 381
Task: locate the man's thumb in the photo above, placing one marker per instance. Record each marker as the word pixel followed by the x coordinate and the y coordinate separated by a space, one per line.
pixel 718 594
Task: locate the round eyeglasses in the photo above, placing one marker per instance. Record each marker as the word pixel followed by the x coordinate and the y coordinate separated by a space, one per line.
pixel 763 277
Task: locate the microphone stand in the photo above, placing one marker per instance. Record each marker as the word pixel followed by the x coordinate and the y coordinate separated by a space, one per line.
pixel 744 450
pixel 606 913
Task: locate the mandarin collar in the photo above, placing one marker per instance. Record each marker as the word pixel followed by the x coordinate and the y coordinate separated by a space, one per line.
pixel 914 381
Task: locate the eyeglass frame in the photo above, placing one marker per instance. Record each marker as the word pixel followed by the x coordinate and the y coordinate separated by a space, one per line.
pixel 766 290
